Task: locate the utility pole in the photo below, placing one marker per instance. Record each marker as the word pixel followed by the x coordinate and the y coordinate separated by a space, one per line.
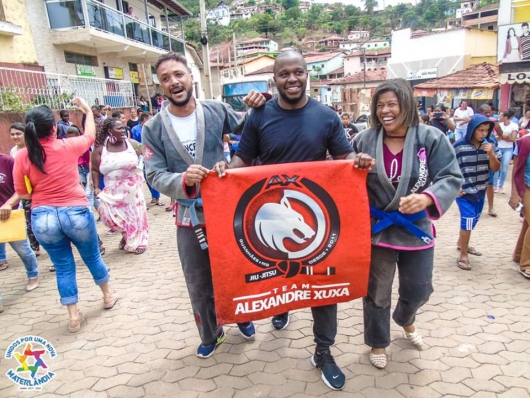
pixel 364 62
pixel 205 52
pixel 235 53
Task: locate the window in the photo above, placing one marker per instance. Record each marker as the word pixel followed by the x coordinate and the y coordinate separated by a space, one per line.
pixel 322 65
pixel 133 67
pixel 80 59
pixel 125 6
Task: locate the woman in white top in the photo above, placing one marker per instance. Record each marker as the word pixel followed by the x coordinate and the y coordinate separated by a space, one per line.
pixel 16 131
pixel 512 50
pixel 509 135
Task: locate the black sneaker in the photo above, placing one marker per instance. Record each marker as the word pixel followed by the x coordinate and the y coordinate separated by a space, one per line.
pixel 331 373
pixel 281 321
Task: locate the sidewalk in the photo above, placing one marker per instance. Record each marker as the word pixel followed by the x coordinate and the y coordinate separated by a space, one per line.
pixel 476 327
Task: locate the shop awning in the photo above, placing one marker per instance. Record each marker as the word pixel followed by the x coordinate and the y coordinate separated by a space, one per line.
pixel 515 77
pixel 476 82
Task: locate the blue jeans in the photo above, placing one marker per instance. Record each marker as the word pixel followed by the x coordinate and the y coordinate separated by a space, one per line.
pixel 460 133
pixel 56 229
pixel 23 249
pixel 415 288
pixel 507 154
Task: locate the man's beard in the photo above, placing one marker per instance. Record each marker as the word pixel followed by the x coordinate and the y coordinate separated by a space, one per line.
pixel 185 101
pixel 292 101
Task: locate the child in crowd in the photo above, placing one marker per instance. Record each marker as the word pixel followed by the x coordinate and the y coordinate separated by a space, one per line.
pixel 476 155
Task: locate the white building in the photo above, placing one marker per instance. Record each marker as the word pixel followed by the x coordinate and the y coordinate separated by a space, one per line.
pixel 322 64
pixel 219 15
pixel 376 44
pixel 439 54
pixel 96 40
pixel 358 35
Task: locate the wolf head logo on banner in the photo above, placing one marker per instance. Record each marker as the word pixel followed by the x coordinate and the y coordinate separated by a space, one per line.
pixel 286 225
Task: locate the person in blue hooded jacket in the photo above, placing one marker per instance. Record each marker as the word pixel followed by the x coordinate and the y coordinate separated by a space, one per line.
pixel 476 155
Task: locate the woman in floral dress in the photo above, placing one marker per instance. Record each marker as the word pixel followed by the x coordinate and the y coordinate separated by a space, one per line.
pixel 122 203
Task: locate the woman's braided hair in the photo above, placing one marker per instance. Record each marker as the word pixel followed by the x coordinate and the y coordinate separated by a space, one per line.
pixel 103 130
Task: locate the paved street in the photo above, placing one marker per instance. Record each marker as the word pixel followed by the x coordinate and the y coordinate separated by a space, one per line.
pixel 476 328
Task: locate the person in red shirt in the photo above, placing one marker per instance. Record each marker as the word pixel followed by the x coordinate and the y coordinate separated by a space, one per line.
pixel 46 171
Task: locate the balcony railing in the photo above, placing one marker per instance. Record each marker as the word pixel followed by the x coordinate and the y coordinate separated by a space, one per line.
pixel 66 14
pixel 22 89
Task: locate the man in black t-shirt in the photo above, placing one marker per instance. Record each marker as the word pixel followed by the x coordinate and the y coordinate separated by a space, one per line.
pixel 296 128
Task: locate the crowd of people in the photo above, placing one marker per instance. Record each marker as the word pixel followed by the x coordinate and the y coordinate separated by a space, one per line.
pixel 416 170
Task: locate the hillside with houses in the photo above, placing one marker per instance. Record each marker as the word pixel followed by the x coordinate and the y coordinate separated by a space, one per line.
pixel 346 64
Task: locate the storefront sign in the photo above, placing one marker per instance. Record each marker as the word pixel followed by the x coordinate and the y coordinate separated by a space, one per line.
pixel 515 77
pixel 113 73
pixel 85 70
pixel 424 92
pixel 134 77
pixel 512 39
pixel 482 93
pixel 430 73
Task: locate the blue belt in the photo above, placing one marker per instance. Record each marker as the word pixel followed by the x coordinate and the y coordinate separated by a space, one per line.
pixel 388 218
pixel 193 204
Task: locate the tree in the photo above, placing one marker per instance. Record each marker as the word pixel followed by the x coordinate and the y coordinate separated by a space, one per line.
pixel 287 4
pixel 293 13
pixel 369 6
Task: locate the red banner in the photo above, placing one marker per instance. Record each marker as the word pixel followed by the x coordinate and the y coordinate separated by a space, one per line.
pixel 286 236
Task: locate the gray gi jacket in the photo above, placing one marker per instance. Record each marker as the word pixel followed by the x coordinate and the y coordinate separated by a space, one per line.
pixel 429 166
pixel 166 159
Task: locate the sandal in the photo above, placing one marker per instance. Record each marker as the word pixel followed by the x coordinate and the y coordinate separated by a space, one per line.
pixel 378 360
pixel 52 269
pixel 160 204
pixel 77 328
pixel 170 208
pixel 4 265
pixel 153 201
pixel 472 250
pixel 122 244
pixel 415 338
pixel 109 304
pixel 140 250
pixel 525 273
pixel 463 264
pixel 29 287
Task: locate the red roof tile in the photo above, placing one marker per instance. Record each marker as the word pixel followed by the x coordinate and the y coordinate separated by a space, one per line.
pixel 337 71
pixel 266 69
pixel 371 76
pixel 477 76
pixel 321 57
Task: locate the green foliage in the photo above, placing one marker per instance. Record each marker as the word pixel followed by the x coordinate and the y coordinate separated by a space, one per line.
pixel 60 101
pixel 290 4
pixel 12 100
pixel 292 25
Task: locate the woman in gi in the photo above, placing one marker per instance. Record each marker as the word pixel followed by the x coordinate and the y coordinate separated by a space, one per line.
pixel 416 179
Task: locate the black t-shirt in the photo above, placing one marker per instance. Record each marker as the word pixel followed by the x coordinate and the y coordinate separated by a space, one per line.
pixel 440 124
pixel 351 131
pixel 131 123
pixel 277 135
